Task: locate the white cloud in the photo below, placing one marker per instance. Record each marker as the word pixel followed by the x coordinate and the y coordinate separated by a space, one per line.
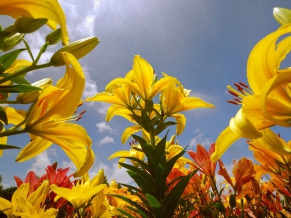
pixel 42 161
pixel 199 139
pixel 112 172
pixel 104 127
pixel 90 85
pixel 106 140
pixel 102 108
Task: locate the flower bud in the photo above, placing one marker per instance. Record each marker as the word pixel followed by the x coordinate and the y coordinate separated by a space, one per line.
pixel 54 37
pixel 29 97
pixel 79 49
pixel 28 24
pixel 11 42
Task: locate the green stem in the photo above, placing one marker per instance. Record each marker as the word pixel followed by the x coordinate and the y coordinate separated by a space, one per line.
pixel 12 132
pixel 28 50
pixel 153 140
pixel 25 70
pixel 9 102
pixel 42 50
pixel 217 192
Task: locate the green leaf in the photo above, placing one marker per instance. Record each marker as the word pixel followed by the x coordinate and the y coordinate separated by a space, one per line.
pixel 232 201
pixel 18 89
pixel 282 15
pixel 125 213
pixel 161 179
pixel 145 187
pixel 3 116
pixel 152 159
pixel 7 59
pixel 146 121
pixel 161 147
pixel 17 79
pixel 162 126
pixel 219 206
pixel 173 197
pixel 133 203
pixel 137 119
pixel 145 176
pixel 140 162
pixel 4 146
pixel 155 205
pixel 172 161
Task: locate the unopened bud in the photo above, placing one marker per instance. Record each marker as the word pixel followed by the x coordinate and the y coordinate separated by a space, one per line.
pixel 79 49
pixel 28 24
pixel 54 37
pixel 11 42
pixel 29 97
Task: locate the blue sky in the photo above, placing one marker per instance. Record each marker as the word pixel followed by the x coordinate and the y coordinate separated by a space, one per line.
pixel 204 43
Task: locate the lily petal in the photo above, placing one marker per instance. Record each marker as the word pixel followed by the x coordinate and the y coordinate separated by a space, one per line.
pixel 271 141
pixel 277 81
pixel 128 132
pixel 241 126
pixel 226 138
pixel 49 9
pixel 88 162
pixel 181 122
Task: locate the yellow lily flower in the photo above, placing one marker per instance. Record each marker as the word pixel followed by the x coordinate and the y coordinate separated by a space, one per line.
pixel 49 9
pixel 267 102
pixel 80 193
pixel 9 208
pixel 14 117
pixel 46 122
pixel 175 100
pixel 141 80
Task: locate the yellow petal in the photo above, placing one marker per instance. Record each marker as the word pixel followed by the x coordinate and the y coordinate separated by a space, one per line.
pixel 271 141
pixel 241 126
pixel 49 9
pixel 277 81
pixel 33 148
pixel 88 162
pixel 128 131
pixel 117 110
pixel 142 74
pixel 223 142
pixel 261 66
pixel 5 206
pixel 181 122
pixel 119 154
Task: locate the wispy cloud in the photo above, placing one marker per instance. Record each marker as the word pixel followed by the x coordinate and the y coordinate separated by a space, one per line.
pixel 106 140
pixel 104 127
pixel 90 85
pixel 42 161
pixel 199 139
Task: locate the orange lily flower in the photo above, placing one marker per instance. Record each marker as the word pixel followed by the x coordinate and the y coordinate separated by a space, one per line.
pixel 203 160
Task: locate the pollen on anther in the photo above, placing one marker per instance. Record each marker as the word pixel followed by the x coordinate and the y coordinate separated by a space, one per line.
pixel 79 118
pixel 232 102
pixel 233 93
pixel 238 87
pixel 237 100
pixel 82 113
pixel 279 135
pixel 244 85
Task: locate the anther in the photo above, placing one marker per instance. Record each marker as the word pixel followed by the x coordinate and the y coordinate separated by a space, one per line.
pixel 232 102
pixel 237 100
pixel 79 118
pixel 238 87
pixel 233 93
pixel 244 85
pixel 82 113
pixel 279 135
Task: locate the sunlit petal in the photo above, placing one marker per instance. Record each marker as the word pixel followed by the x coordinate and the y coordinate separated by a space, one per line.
pixel 181 122
pixel 223 142
pixel 241 126
pixel 128 132
pixel 49 9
